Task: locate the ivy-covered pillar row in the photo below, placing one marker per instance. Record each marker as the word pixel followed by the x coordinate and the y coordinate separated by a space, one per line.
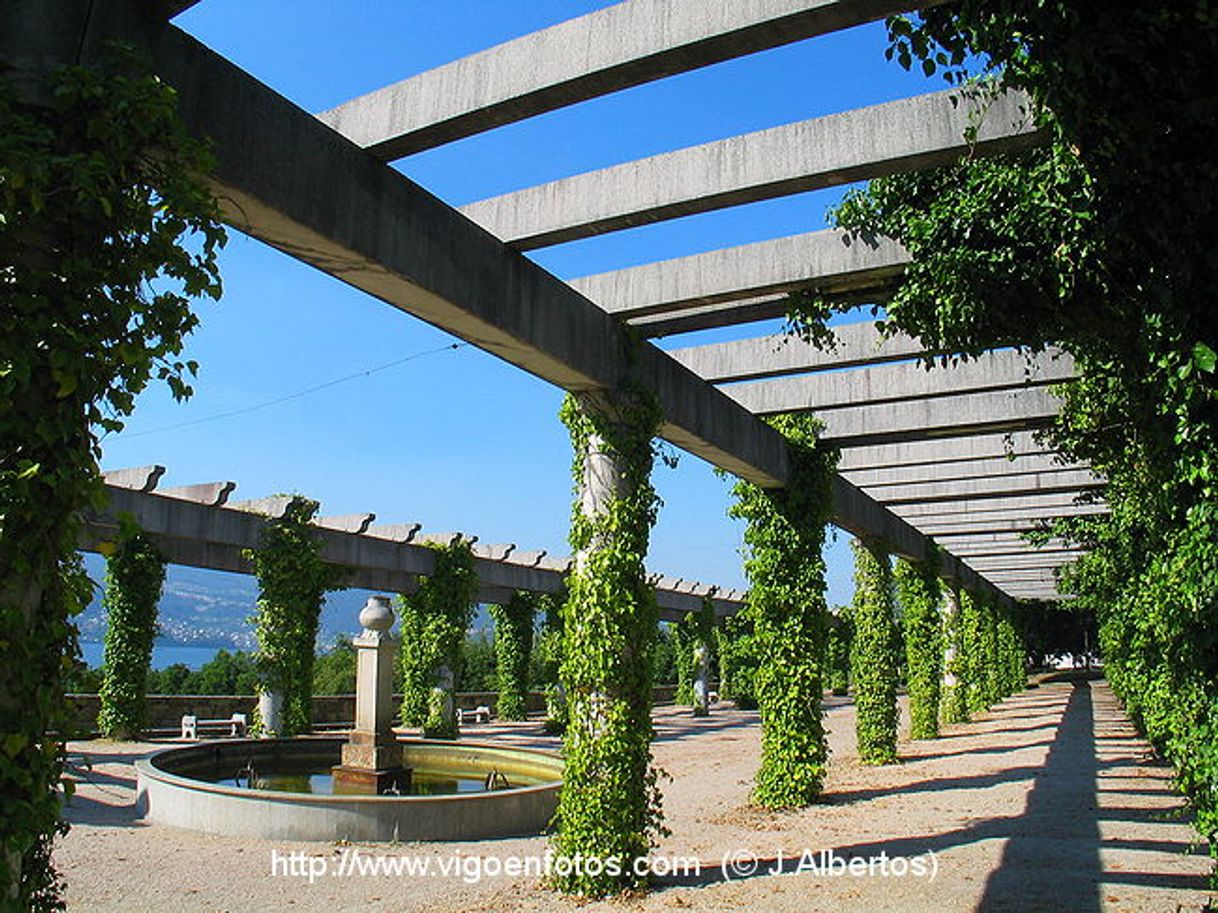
pixel 973 628
pixel 292 584
pixel 435 618
pixel 875 655
pixel 513 646
pixel 837 651
pixel 784 539
pixel 955 679
pixel 608 814
pixel 135 574
pixel 920 595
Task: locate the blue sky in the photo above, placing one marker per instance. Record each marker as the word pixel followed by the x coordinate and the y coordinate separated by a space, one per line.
pixel 457 439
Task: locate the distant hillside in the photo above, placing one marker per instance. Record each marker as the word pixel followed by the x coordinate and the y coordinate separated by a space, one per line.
pixel 212 609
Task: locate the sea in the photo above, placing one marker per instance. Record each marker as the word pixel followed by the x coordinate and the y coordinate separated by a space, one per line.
pixel 163 655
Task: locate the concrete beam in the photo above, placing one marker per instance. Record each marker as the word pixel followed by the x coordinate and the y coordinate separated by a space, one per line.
pixel 988 563
pixel 905 135
pixel 351 523
pixel 1071 480
pixel 927 522
pixel 712 316
pixel 205 493
pixel 137 478
pixel 1044 504
pixel 214 537
pixel 918 453
pixel 625 45
pixel 820 392
pixel 876 480
pixel 830 261
pixel 930 419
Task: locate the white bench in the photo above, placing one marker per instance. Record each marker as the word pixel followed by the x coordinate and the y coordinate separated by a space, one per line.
pixel 480 714
pixel 192 726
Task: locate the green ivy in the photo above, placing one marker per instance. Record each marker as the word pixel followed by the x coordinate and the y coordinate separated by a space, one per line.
pixel 919 593
pixel 739 659
pixel 99 186
pixel 974 621
pixel 434 620
pixel 549 647
pixel 786 605
pixel 609 807
pixel 837 652
pixel 292 583
pixel 955 701
pixel 513 644
pixel 683 657
pixel 875 656
pixel 135 573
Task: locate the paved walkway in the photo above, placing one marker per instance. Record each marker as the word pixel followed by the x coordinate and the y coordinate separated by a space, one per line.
pixel 1048 803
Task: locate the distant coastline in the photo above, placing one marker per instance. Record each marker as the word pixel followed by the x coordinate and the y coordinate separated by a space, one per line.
pixel 192 656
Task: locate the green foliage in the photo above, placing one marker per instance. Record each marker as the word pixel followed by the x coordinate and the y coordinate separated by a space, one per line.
pixel 739 658
pixel 786 606
pixel 135 573
pixel 837 651
pixel 1098 241
pixel 98 190
pixel 549 655
pixel 434 620
pixel 955 699
pixel 334 669
pixel 681 639
pixel 874 655
pixel 292 584
pixel 609 807
pixel 973 624
pixel 919 593
pixel 477 669
pixel 513 644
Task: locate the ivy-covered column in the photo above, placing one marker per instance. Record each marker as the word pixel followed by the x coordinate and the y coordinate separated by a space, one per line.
pixel 135 573
pixel 513 645
pixel 919 594
pixel 682 656
pixel 550 646
pixel 837 651
pixel 609 808
pixel 738 660
pixel 434 621
pixel 292 584
pixel 955 669
pixel 874 658
pixel 972 624
pixel 784 540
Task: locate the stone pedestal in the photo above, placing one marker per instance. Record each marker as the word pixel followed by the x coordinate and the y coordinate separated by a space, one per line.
pixel 372 757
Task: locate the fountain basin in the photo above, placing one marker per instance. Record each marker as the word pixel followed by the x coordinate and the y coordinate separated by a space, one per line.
pixel 178 787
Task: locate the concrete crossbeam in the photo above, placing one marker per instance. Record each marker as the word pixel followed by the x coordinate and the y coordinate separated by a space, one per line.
pixel 625 45
pixel 1046 504
pixel 831 261
pixel 905 135
pixel 918 453
pixel 875 480
pixel 1069 480
pixel 820 392
pixel 205 492
pixel 928 419
pixel 712 316
pixel 350 523
pixel 137 478
pixel 217 538
pixel 986 564
pixel 931 520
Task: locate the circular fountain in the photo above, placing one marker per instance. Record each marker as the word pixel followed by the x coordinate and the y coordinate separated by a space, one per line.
pixel 370 786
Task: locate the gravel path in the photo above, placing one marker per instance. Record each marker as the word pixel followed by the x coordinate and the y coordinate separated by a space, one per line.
pixel 1048 803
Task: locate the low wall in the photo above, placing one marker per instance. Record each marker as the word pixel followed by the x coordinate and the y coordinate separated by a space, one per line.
pixel 165 711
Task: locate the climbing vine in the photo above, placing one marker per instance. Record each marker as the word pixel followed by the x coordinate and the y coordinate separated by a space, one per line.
pixel 874 658
pixel 837 651
pixel 973 623
pixel 99 189
pixel 513 644
pixel 683 659
pixel 919 593
pixel 739 659
pixel 135 573
pixel 955 699
pixel 549 648
pixel 786 606
pixel 434 621
pixel 609 807
pixel 292 583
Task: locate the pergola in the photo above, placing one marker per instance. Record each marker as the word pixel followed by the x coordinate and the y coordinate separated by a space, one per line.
pixel 946 454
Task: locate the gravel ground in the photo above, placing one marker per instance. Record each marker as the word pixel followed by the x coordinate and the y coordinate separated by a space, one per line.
pixel 1049 802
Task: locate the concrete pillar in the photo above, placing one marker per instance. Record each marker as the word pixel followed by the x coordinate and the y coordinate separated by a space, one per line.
pixel 372 757
pixel 954 702
pixel 270 713
pixel 443 701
